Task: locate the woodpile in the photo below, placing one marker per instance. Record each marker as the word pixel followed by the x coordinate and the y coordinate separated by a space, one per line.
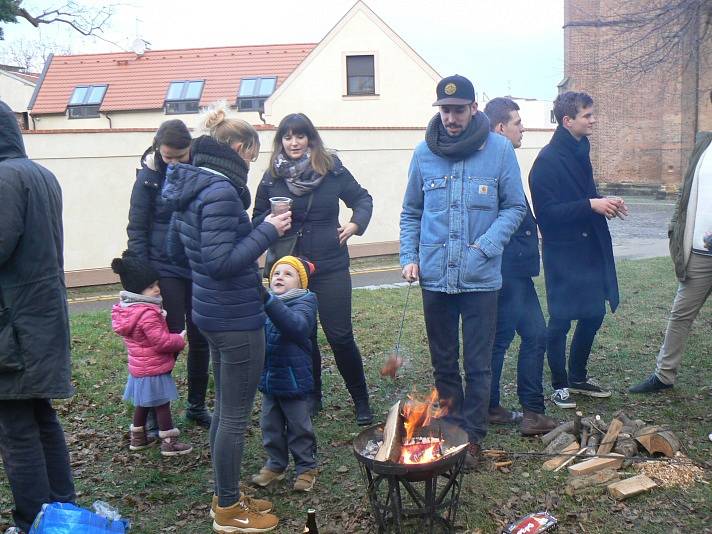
pixel 593 451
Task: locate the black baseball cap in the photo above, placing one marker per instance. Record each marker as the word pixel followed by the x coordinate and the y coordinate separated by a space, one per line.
pixel 454 91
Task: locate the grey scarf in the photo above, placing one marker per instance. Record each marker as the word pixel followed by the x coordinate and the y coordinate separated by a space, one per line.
pixel 293 293
pixel 297 174
pixel 460 147
pixel 127 298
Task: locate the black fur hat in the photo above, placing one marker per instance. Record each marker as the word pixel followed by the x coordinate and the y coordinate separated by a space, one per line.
pixel 136 274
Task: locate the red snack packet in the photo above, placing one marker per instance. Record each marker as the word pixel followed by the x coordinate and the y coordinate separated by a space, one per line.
pixel 532 524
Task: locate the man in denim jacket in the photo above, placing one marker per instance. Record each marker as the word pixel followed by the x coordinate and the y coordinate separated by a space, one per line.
pixel 463 202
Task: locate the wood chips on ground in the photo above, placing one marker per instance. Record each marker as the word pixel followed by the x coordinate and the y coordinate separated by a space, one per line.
pixel 679 471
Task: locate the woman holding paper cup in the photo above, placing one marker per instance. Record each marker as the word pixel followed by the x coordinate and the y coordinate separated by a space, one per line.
pixel 302 170
pixel 211 233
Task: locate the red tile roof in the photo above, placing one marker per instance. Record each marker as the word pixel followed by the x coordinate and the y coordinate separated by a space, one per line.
pixel 141 82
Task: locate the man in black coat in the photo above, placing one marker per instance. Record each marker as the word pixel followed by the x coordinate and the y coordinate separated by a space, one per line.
pixel 35 361
pixel 518 308
pixel 579 269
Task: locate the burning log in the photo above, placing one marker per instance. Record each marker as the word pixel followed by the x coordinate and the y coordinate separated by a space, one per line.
pixel 421 450
pixel 392 435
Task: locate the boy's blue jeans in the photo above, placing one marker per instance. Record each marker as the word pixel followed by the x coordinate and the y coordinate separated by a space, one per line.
pixel 519 311
pixel 478 310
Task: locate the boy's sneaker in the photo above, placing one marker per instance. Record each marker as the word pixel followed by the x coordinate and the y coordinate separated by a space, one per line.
pixel 138 438
pixel 305 481
pixel 170 446
pixel 266 476
pixel 240 518
pixel 562 398
pixel 590 388
pixel 261 506
pixel 13 530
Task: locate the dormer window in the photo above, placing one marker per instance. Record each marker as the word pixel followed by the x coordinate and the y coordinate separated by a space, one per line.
pixel 183 97
pixel 254 91
pixel 86 101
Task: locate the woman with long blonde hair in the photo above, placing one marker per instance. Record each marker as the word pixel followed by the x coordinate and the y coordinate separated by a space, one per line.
pixel 211 233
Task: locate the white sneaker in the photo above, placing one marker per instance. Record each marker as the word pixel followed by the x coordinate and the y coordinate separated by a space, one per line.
pixel 13 530
pixel 562 398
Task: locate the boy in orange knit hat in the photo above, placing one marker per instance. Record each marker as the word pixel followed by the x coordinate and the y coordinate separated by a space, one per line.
pixel 287 380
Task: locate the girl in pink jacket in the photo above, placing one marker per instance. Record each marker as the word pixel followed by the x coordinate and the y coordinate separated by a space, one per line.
pixel 140 319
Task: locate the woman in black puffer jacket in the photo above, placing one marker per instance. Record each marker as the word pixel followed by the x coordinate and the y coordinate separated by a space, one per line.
pixel 211 234
pixel 149 216
pixel 301 168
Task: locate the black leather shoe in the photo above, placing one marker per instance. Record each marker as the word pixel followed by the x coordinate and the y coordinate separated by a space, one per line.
pixel 364 417
pixel 652 384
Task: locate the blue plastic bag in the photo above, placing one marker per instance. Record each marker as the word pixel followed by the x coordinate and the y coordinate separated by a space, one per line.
pixel 66 518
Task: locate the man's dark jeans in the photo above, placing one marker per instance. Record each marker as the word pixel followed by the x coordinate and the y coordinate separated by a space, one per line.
pixel 442 322
pixel 35 457
pixel 579 352
pixel 518 310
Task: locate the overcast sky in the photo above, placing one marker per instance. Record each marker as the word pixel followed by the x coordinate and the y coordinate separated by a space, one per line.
pixel 504 46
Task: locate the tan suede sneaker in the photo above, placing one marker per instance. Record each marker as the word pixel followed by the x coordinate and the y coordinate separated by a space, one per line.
pixel 239 518
pixel 305 481
pixel 261 506
pixel 266 476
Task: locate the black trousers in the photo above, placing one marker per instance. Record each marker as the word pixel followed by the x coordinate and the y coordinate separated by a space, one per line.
pixel 467 408
pixel 177 294
pixel 35 457
pixel 333 290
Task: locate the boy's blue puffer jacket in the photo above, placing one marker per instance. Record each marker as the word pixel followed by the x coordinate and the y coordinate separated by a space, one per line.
pixel 290 325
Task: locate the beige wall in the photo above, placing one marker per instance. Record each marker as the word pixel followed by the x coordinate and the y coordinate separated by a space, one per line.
pixel 405 86
pixel 128 119
pixel 97 171
pixel 14 92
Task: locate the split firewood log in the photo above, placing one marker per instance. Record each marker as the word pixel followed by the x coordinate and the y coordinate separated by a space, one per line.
pixel 560 443
pixel 658 440
pixel 609 440
pixel 576 485
pixel 564 427
pixel 626 445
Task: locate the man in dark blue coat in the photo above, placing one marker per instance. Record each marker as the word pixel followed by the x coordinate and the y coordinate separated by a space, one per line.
pixel 518 308
pixel 35 361
pixel 579 269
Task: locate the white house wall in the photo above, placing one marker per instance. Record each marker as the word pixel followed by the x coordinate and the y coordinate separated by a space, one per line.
pixel 97 170
pixel 15 93
pixel 128 119
pixel 406 89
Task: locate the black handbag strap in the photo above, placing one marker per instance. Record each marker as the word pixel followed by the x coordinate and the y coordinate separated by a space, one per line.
pixel 306 214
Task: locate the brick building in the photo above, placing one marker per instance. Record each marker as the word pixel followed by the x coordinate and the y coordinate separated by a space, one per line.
pixel 647 121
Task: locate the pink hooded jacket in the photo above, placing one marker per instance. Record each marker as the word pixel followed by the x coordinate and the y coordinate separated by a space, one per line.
pixel 150 345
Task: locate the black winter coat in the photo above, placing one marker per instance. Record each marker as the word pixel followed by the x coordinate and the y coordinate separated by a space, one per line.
pixel 149 217
pixel 211 233
pixel 520 258
pixel 320 237
pixel 31 273
pixel 579 269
